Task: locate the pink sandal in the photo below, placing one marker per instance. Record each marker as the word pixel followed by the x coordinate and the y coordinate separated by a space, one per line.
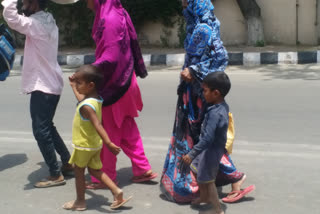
pixel 143 178
pixel 240 194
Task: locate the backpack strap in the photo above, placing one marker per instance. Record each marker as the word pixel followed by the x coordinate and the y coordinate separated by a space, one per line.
pixel 7 52
pixel 5 60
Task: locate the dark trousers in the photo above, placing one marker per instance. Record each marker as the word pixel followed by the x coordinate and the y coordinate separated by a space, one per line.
pixel 42 108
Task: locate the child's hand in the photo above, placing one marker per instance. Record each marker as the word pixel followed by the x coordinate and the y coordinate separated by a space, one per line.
pixel 113 148
pixel 187 160
pixel 72 80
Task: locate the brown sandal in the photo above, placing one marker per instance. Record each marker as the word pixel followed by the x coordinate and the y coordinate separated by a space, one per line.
pixel 117 204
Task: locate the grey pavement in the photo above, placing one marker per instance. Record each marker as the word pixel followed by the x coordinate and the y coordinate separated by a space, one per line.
pixel 276 110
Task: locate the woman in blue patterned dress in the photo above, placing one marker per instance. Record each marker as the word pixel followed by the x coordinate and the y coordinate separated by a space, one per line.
pixel 205 53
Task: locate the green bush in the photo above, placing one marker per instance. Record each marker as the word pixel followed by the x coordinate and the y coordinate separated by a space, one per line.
pixel 181 31
pixel 152 10
pixel 75 21
pixel 260 43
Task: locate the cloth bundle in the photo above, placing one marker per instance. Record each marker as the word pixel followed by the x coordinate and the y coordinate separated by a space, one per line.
pixel 230 134
pixel 7 52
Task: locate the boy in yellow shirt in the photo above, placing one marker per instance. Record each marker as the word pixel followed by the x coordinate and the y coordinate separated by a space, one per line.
pixel 87 137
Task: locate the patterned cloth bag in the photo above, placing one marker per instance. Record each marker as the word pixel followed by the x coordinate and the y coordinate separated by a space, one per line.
pixel 7 52
pixel 230 134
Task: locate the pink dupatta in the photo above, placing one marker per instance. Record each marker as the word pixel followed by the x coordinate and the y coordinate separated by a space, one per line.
pixel 118 53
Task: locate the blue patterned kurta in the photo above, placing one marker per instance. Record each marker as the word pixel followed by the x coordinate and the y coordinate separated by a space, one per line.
pixel 204 54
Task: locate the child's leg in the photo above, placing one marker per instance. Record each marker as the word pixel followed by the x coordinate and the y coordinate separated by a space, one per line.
pixel 80 183
pixel 204 197
pixel 108 167
pixel 104 178
pixel 116 191
pixel 213 197
pixel 80 203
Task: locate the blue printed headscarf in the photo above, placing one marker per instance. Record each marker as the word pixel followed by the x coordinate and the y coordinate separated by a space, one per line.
pixel 200 8
pixel 205 52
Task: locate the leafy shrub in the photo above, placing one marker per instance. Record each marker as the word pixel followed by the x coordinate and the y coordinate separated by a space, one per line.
pixel 152 10
pixel 260 43
pixel 75 21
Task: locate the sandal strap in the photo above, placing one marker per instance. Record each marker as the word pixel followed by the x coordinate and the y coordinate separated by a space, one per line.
pixel 236 191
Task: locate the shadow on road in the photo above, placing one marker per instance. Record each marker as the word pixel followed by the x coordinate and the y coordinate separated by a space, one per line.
pixel 11 160
pixel 36 176
pixel 207 209
pixel 288 72
pixel 203 209
pixel 122 176
pixel 124 173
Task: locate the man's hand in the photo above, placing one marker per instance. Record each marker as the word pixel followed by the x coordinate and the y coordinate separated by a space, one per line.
pixel 113 148
pixel 187 160
pixel 186 75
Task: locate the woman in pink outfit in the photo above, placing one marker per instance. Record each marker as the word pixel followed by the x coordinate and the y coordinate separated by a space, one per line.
pixel 119 56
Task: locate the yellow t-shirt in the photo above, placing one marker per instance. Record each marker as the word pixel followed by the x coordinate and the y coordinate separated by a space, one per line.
pixel 84 134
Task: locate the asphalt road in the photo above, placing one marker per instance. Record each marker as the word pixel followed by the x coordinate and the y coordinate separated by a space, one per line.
pixel 277 114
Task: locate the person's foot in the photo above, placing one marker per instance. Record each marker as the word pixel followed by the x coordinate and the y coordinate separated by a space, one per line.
pixel 199 201
pixel 238 194
pixel 118 195
pixel 147 176
pixel 237 187
pixel 75 205
pixel 118 199
pixel 67 169
pixel 51 181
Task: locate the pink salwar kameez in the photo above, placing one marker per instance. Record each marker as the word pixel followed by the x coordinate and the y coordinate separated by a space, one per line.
pixel 118 121
pixel 119 58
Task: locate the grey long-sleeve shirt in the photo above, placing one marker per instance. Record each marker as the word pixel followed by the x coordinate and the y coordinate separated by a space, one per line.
pixel 213 131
